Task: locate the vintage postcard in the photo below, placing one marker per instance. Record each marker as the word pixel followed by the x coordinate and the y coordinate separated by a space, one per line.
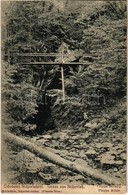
pixel 63 88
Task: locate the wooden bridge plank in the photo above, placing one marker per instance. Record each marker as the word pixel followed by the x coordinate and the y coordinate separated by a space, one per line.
pixel 53 63
pixel 51 55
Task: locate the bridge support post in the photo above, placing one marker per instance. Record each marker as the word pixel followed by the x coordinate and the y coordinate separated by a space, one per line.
pixel 63 87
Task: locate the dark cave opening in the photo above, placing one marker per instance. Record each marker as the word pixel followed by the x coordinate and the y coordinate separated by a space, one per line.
pixel 43 119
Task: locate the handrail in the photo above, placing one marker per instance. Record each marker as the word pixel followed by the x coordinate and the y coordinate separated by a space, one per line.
pixel 52 54
pixel 53 63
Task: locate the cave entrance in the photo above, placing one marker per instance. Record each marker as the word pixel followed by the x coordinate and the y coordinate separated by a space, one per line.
pixel 43 118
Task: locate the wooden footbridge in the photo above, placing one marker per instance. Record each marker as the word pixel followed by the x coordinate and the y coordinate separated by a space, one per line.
pixel 21 57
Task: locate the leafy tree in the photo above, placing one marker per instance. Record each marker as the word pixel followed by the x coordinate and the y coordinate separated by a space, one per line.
pixel 102 79
pixel 19 99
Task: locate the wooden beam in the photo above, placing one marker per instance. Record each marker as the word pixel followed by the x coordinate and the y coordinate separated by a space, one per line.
pixel 37 54
pixel 51 54
pixel 53 63
pixel 63 88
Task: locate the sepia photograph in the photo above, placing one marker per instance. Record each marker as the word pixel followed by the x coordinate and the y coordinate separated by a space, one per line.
pixel 63 96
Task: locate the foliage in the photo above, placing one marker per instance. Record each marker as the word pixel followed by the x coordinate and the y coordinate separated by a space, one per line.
pixel 98 28
pixel 106 41
pixel 102 79
pixel 67 112
pixel 19 99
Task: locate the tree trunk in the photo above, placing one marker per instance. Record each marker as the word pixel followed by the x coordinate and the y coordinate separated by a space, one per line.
pixel 43 153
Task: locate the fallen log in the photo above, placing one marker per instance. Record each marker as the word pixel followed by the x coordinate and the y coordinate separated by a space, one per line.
pixel 43 153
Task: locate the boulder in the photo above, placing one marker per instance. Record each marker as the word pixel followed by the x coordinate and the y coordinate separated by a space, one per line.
pixel 91 125
pixel 108 160
pixel 91 153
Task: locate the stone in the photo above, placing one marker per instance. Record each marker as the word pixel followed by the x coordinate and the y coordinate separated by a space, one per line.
pixel 118 162
pixel 87 134
pixel 123 156
pixel 47 136
pixel 63 152
pixel 75 137
pixel 109 159
pixel 74 154
pixel 82 154
pixel 107 145
pixel 98 145
pixel 115 169
pixel 91 152
pixel 42 141
pixel 91 125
